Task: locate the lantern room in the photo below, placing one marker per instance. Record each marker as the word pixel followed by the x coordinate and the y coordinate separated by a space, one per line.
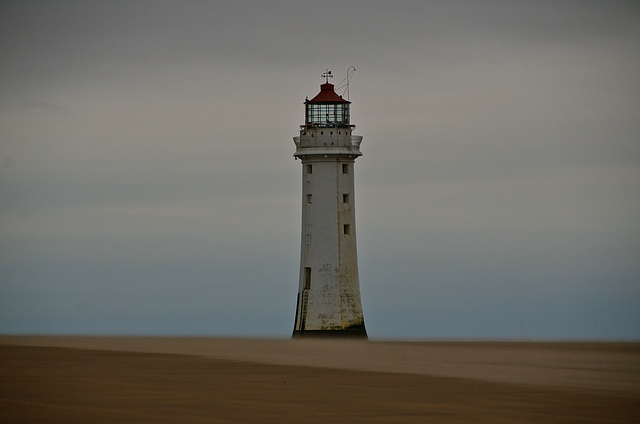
pixel 327 109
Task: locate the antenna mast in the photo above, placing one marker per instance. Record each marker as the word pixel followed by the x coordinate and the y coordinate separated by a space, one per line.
pixel 344 84
pixel 350 71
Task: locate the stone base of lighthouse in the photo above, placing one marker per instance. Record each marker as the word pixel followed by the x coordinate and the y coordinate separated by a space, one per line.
pixel 356 333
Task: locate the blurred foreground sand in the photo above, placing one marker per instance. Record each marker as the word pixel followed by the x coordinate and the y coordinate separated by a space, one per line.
pixel 173 379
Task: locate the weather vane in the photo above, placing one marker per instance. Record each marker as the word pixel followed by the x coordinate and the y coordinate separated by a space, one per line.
pixel 327 75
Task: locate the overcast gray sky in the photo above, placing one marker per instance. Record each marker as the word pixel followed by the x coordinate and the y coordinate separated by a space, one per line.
pixel 147 184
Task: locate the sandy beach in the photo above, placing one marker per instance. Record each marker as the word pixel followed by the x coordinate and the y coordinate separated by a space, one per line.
pixel 215 380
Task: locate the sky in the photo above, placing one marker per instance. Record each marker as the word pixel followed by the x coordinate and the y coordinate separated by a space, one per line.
pixel 148 185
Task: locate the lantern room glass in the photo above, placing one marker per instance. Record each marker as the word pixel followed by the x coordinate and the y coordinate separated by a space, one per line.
pixel 327 114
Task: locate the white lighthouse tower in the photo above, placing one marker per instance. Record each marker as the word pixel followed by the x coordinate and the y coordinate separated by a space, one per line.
pixel 329 291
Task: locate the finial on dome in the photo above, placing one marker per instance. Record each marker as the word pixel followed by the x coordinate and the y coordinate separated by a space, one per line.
pixel 327 74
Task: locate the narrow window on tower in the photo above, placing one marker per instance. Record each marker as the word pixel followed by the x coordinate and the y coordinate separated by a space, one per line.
pixel 347 229
pixel 345 168
pixel 345 198
pixel 307 278
pixel 309 169
pixel 308 199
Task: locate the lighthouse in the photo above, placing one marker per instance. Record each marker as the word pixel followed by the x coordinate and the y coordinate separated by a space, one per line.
pixel 328 302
